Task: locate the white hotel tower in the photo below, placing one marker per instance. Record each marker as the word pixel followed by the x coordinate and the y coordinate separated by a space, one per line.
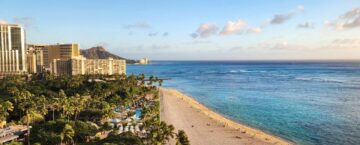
pixel 12 49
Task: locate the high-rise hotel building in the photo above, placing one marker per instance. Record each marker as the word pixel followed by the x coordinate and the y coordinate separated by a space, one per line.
pixel 59 51
pixel 65 59
pixel 80 66
pixel 12 49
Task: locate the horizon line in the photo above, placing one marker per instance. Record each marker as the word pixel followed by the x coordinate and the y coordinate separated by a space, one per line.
pixel 258 60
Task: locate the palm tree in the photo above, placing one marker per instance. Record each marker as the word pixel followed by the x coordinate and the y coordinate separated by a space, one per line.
pixel 67 109
pixel 78 103
pixel 182 138
pixel 141 79
pixel 149 112
pixel 168 131
pixel 33 107
pixel 67 135
pixel 65 105
pixel 5 107
pixel 151 79
pixel 72 106
pixel 54 104
pixel 161 133
pixel 160 82
pixel 12 90
pixel 132 93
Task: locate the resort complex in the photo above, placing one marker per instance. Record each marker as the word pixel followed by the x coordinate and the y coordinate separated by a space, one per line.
pixel 18 57
pixel 79 65
pixel 82 109
pixel 66 98
pixel 204 72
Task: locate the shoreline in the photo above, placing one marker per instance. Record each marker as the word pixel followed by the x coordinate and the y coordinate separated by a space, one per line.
pixel 238 130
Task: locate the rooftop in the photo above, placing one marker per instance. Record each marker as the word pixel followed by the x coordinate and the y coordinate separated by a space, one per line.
pixel 11 25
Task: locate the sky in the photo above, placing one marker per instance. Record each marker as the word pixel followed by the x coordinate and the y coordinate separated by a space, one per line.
pixel 195 29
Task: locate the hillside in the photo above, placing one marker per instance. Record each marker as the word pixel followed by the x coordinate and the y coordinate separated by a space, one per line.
pixel 100 52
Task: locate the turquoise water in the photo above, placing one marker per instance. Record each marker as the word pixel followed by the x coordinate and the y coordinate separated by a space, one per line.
pixel 304 102
pixel 137 114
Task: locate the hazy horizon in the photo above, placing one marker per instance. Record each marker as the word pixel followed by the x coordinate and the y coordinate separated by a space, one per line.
pixel 280 60
pixel 196 30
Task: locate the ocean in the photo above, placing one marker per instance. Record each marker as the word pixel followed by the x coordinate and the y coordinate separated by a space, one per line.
pixel 306 102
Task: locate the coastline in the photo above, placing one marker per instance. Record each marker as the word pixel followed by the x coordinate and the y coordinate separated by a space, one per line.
pixel 187 112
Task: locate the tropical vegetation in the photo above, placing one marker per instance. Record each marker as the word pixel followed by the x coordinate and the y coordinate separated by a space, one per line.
pixel 66 110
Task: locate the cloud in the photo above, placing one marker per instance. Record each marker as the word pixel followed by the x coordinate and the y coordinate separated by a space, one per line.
pixel 194 35
pixel 300 8
pixel 347 41
pixel 138 25
pixel 233 27
pixel 281 45
pixel 26 22
pixel 351 14
pixel 281 18
pixel 238 27
pixel 348 20
pixel 205 30
pixel 165 34
pixel 343 43
pixel 254 30
pixel 151 34
pixel 305 25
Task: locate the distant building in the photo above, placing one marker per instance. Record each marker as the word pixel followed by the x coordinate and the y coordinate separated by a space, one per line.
pixel 144 61
pixel 12 49
pixel 80 66
pixel 59 51
pixel 62 59
pixel 35 59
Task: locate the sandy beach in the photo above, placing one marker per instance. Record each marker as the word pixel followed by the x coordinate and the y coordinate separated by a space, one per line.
pixel 205 127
